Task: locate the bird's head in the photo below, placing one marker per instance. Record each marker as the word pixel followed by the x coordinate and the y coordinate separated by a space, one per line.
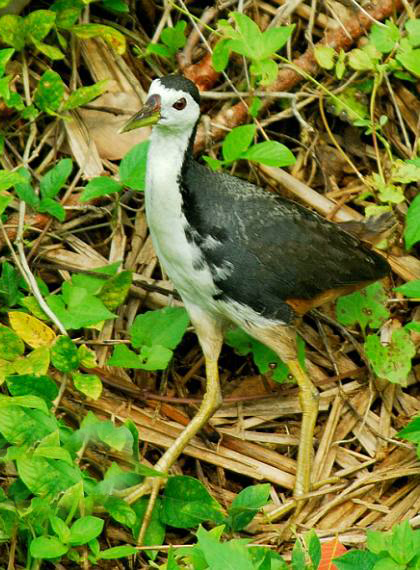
pixel 173 102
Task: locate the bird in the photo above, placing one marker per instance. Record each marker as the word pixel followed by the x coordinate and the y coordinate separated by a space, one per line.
pixel 239 255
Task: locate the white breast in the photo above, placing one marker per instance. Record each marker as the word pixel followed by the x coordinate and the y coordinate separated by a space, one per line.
pixel 167 222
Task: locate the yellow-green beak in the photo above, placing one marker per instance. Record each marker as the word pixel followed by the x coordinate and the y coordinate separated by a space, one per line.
pixel 148 115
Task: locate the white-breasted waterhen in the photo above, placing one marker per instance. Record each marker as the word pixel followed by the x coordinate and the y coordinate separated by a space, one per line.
pixel 239 254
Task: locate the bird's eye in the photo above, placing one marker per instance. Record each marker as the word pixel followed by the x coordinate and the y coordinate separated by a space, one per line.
pixel 180 104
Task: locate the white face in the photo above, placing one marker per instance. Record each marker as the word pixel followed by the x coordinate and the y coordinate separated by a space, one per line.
pixel 178 109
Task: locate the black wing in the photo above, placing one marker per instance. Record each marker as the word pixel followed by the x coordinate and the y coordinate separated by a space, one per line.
pixel 276 249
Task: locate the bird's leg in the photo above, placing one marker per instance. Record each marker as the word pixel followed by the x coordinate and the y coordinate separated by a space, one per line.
pixel 308 398
pixel 210 336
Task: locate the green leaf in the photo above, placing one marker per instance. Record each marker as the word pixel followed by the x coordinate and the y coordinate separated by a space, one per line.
pixel 47 477
pixel 274 39
pixel 164 327
pixel 155 357
pixel 64 354
pixel 120 511
pixel 52 52
pixel 187 502
pixel 5 55
pixel 53 452
pixel 230 555
pixel 410 289
pixel 39 23
pixel 325 56
pixel 237 141
pixel 220 56
pixel 60 528
pixel 50 92
pixel 117 552
pixel 360 559
pixel 314 548
pixel 53 208
pixel 67 12
pixel 115 290
pixel 410 59
pixel 116 6
pixel 271 153
pixel 36 362
pixel 89 384
pixel 11 346
pixel 249 40
pixel 84 95
pixel 85 529
pixel 392 361
pixel 155 533
pixel 411 432
pixel 24 189
pixel 123 357
pixel 54 180
pixel 298 557
pixel 159 49
pixel 364 307
pixel 119 438
pixel 114 38
pixel 26 384
pixel 47 547
pixel 174 37
pixel 360 60
pixel 413 29
pixel 82 310
pixel 385 36
pixel 100 186
pixel 412 223
pixel 9 178
pixel 133 167
pixel 12 31
pixel 246 505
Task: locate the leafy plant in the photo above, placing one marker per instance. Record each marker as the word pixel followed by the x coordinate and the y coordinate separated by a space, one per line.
pixel 173 39
pixel 247 39
pixel 237 145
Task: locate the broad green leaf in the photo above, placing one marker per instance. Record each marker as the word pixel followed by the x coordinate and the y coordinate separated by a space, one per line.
pixel 325 56
pixel 50 92
pixel 271 153
pixel 155 357
pixel 237 141
pixel 410 289
pixel 54 180
pixel 52 52
pixel 174 37
pixel 119 438
pixel 25 384
pixel 120 511
pixel 4 87
pixel 9 179
pixel 360 559
pixel 250 39
pixel 266 68
pixel 82 309
pixel 53 452
pixel 159 49
pixel 410 59
pixel 60 528
pixel 360 60
pixel 31 330
pixel 274 39
pixel 155 533
pixel 246 505
pixel 39 23
pixel 36 362
pixel 22 425
pixel 366 307
pixel 114 38
pixel 12 31
pixel 116 5
pixel 100 186
pixel 133 167
pixel 164 327
pixel 52 207
pixel 298 557
pixel 11 346
pixel 385 36
pixel 411 432
pixel 220 56
pixel 9 285
pixel 230 555
pixel 377 542
pixel 314 548
pixel 30 303
pixel 391 361
pixel 123 357
pixel 24 189
pixel 412 223
pixel 115 290
pixel 67 12
pixel 64 354
pixel 88 384
pixel 117 552
pixel 186 502
pixel 116 479
pixel 47 547
pixel 413 29
pixel 5 55
pixel 84 95
pixel 47 477
pixel 85 529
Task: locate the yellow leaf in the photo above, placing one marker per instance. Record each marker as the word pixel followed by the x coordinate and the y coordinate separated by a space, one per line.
pixel 31 330
pixel 36 362
pixel 6 368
